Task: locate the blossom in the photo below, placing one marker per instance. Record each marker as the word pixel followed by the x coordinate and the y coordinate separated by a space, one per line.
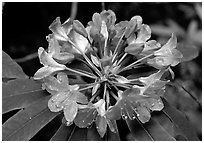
pixel 103 58
pixel 66 97
pixel 167 55
pixel 50 65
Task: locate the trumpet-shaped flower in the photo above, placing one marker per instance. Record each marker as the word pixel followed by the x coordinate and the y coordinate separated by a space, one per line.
pixel 167 55
pixel 66 97
pixel 50 65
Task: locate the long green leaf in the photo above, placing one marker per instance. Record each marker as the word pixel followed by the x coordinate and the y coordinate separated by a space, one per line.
pixel 10 69
pixel 92 134
pixel 26 123
pixel 152 130
pixel 78 134
pixel 181 124
pixel 113 136
pixel 24 93
pixel 62 133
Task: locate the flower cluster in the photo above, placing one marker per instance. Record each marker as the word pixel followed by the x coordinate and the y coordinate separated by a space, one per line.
pixel 91 73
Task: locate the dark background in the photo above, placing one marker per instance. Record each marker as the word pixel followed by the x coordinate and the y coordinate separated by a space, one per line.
pixel 25 26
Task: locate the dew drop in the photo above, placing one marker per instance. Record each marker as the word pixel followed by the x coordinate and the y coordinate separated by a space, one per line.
pixel 68 123
pixel 134 117
pixel 83 121
pixel 30 118
pixel 125 117
pixel 138 115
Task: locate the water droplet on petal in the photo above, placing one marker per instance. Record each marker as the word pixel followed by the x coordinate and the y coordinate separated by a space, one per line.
pixel 68 123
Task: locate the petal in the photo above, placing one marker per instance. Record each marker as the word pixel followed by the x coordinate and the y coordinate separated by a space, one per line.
pixel 47 60
pixel 85 117
pixel 80 41
pixel 109 18
pixel 55 104
pixel 144 34
pixel 96 18
pixel 79 28
pixel 150 47
pixel 70 111
pixel 67 26
pixel 64 57
pixel 167 48
pixel 113 113
pixel 54 46
pixel 101 125
pixel 54 84
pixel 152 78
pixel 58 30
pixel 156 104
pixel 143 114
pixel 46 71
pixel 139 21
pixel 100 107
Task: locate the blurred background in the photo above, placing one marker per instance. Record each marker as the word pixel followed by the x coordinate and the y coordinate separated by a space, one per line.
pixel 25 26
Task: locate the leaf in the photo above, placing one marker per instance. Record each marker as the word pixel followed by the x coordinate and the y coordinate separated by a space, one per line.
pixel 10 69
pixel 24 93
pixel 150 131
pixel 188 51
pixel 181 124
pixel 78 134
pixel 62 133
pixel 92 134
pixel 85 117
pixel 113 135
pixel 26 123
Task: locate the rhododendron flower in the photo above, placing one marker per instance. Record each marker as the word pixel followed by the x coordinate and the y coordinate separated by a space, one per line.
pixel 93 73
pixel 50 65
pixel 167 55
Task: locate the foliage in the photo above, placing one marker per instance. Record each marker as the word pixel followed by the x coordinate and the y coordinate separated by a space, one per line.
pixel 94 95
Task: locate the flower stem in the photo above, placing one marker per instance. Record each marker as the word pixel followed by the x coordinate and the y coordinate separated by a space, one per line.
pixel 122 58
pixel 116 98
pixel 117 46
pixel 104 93
pixel 133 64
pixel 85 88
pixel 86 58
pixel 81 73
pixel 121 85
